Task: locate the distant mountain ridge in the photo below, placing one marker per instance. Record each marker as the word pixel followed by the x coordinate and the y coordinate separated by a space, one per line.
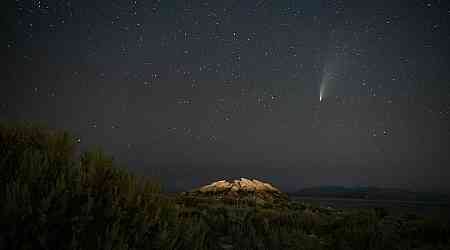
pixel 370 193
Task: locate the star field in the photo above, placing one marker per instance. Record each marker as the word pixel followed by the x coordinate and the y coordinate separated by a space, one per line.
pixel 192 91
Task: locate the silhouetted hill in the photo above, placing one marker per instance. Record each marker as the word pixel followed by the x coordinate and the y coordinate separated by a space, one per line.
pixel 371 193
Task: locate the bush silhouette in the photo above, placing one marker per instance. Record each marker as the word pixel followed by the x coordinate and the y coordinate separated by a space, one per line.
pixel 51 200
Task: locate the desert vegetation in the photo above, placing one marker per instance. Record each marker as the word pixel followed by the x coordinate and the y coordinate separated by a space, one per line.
pixel 51 198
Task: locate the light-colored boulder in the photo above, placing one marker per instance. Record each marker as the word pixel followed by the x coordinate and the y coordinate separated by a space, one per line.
pixel 216 186
pixel 235 187
pixel 247 185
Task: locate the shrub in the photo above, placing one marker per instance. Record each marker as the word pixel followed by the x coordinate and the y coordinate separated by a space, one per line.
pixel 50 200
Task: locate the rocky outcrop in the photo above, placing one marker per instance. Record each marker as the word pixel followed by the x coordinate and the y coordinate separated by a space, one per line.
pixel 242 189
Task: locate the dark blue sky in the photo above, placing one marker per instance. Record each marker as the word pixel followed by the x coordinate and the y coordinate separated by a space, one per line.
pixel 193 91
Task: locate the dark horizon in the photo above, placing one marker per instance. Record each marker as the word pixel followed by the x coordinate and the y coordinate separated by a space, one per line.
pixel 298 94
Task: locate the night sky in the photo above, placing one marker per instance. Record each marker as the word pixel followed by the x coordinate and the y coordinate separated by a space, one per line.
pixel 295 93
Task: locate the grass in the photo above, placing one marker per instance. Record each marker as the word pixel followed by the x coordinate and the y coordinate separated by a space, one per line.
pixel 52 199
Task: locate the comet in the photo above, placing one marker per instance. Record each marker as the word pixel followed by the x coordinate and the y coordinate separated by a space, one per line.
pixel 328 78
pixel 321 92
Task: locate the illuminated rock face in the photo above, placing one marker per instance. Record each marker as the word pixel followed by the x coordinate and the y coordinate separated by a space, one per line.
pixel 242 189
